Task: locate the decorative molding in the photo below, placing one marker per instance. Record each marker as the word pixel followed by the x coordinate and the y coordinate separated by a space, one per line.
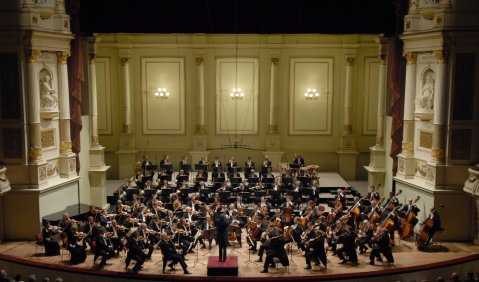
pixel 163 116
pixel 104 100
pixel 63 56
pixel 66 146
pixel 441 56
pixel 124 61
pixel 48 139
pixel 350 61
pixel 371 89
pixel 311 117
pixel 237 116
pixel 275 61
pixel 199 60
pixel 34 54
pixel 52 168
pixel 411 57
pixel 425 139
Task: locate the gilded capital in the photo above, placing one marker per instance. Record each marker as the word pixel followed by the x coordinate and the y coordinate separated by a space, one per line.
pixel 124 61
pixel 274 61
pixel 33 56
pixel 441 56
pixel 65 146
pixel 36 153
pixel 63 56
pixel 411 57
pixel 349 61
pixel 382 58
pixel 92 57
pixel 199 60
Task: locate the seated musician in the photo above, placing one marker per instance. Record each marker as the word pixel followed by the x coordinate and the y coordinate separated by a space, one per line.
pixel 182 235
pixel 155 229
pixel 118 238
pixel 166 161
pixel 315 249
pixel 316 191
pixel 65 224
pixel 169 252
pixel 392 201
pixel 249 163
pixel 265 164
pixel 298 160
pixel 216 164
pixel 410 207
pixel 252 174
pixel 201 174
pixel 103 248
pixel 276 249
pixel 365 235
pixel 135 252
pixel 297 186
pixel 52 248
pixel 217 173
pixel 90 229
pixel 268 174
pixel 233 173
pixel 203 160
pixel 381 246
pixel 146 162
pixel 348 250
pixel 436 224
pixel 208 224
pixel 143 234
pixel 76 246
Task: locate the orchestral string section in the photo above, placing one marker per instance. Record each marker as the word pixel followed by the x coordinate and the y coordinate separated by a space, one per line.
pixel 216 205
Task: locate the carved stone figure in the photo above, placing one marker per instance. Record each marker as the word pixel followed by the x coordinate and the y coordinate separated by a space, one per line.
pixel 425 99
pixel 4 183
pixel 48 97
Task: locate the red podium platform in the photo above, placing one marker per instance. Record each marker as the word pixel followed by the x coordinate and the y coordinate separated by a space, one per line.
pixel 226 268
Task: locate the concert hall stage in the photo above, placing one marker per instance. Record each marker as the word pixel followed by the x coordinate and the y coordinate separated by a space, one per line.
pixel 20 257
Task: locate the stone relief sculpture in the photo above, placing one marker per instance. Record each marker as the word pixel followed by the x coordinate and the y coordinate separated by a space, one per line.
pixel 425 99
pixel 4 183
pixel 48 96
pixel 472 183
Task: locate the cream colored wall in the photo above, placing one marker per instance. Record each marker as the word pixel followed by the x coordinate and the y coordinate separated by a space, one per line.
pixel 84 180
pixel 317 148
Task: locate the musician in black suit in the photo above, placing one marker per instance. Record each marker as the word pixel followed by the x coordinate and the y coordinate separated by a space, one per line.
pixel 381 246
pixel 135 252
pixel 265 165
pixel 222 222
pixel 276 249
pixel 76 246
pixel 169 253
pixel 217 173
pixel 145 163
pixel 103 248
pixel 315 249
pixel 52 248
pixel 216 164
pixel 348 239
pixel 298 160
pixel 436 224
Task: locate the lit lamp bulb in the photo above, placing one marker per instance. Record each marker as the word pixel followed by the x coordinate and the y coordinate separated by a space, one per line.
pixel 162 93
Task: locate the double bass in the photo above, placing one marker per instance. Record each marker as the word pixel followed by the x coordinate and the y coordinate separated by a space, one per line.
pixel 424 234
pixel 406 225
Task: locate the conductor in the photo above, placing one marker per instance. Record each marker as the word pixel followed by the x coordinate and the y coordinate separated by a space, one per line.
pixel 222 222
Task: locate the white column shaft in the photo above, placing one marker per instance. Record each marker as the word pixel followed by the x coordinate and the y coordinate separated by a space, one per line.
pixel 440 94
pixel 272 98
pixel 94 104
pixel 126 97
pixel 409 91
pixel 347 98
pixel 201 96
pixel 33 93
pixel 381 95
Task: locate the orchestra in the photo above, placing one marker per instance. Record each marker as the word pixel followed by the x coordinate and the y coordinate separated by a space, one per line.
pixel 279 212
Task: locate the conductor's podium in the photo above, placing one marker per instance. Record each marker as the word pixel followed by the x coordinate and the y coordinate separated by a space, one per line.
pixel 226 268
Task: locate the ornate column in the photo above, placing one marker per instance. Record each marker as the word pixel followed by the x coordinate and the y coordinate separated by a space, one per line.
pixel 436 166
pixel 37 164
pixel 406 162
pixel 200 139
pixel 64 104
pixel 347 125
pixel 347 148
pixel 34 108
pixel 127 152
pixel 273 120
pixel 377 155
pixel 125 90
pixel 4 188
pixel 273 139
pixel 471 187
pixel 98 169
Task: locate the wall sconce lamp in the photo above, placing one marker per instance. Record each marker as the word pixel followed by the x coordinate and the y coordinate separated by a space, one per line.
pixel 237 94
pixel 162 93
pixel 311 93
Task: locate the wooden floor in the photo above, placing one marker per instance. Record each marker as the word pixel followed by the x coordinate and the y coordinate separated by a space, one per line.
pixel 405 255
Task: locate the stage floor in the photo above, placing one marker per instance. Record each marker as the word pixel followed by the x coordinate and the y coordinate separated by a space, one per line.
pixel 407 258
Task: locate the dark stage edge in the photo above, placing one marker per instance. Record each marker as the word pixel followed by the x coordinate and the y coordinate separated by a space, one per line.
pixel 167 277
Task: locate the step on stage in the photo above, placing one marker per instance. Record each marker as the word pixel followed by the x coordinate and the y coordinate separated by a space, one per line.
pixel 226 268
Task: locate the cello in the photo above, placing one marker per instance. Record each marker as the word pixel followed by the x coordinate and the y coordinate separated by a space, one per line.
pixel 424 234
pixel 406 225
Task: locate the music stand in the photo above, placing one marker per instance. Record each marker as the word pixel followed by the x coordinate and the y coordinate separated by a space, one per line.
pixel 307 191
pixel 286 180
pixel 236 180
pixel 185 167
pixel 248 261
pixel 293 193
pixel 304 180
pixel 247 169
pixel 215 168
pixel 205 192
pixel 166 177
pixel 199 179
pixel 274 194
pixel 224 195
pixel 253 180
pixel 219 180
pixel 149 192
pixel 186 191
pixel 264 169
pixel 167 167
pixel 259 194
pixel 201 166
pixel 166 191
pixel 151 167
pixel 197 261
pixel 181 178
